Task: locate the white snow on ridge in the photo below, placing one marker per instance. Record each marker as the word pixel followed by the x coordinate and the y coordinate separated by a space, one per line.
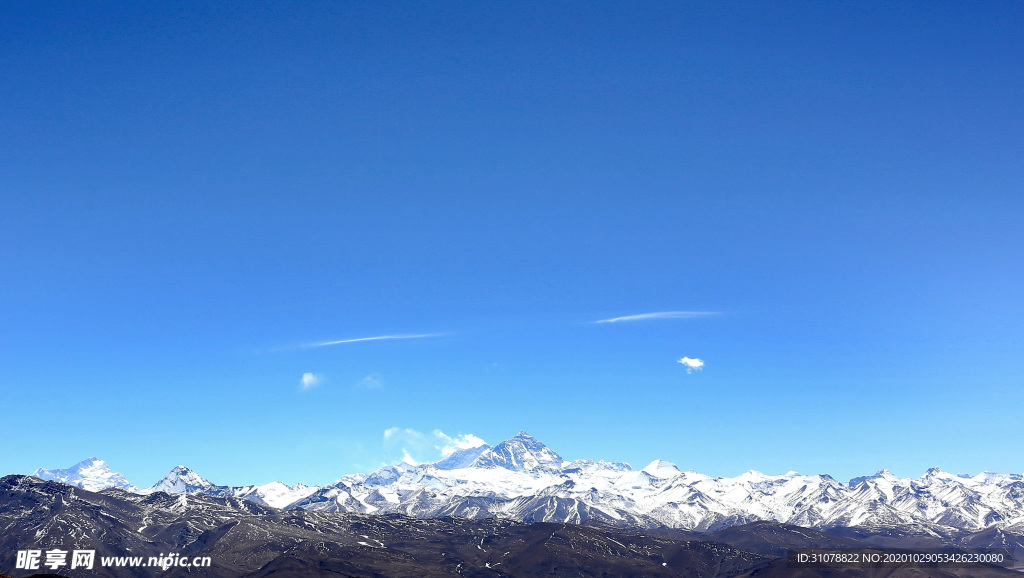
pixel 662 469
pixel 182 480
pixel 277 494
pixel 521 453
pixel 91 474
pixel 523 479
pixel 528 481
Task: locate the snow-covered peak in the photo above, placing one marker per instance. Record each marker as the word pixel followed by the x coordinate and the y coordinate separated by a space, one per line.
pixel 882 474
pixel 91 474
pixel 521 453
pixel 181 480
pixel 752 476
pixel 662 469
pixel 988 478
pixel 461 458
pixel 387 474
pixel 936 473
pixel 279 494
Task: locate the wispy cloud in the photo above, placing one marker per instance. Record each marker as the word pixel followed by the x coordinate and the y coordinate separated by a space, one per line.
pixel 448 444
pixel 375 338
pixel 310 380
pixel 372 381
pixel 658 315
pixel 404 433
pixel 692 364
pixel 426 447
pixel 408 459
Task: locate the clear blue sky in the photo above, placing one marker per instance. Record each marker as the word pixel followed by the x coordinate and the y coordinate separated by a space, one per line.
pixel 193 194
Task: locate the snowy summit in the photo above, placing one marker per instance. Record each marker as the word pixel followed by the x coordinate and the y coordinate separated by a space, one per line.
pixel 91 474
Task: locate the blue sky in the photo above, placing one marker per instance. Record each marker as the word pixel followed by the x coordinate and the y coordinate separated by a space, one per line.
pixel 192 195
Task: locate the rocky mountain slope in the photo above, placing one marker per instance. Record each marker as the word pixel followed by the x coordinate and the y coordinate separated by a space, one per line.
pixel 245 539
pixel 522 479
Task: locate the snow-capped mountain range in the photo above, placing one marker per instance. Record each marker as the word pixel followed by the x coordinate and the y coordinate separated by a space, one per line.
pixel 522 479
pixel 182 480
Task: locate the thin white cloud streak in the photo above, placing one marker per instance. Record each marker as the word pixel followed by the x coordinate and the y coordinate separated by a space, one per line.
pixel 659 315
pixel 377 338
pixel 372 381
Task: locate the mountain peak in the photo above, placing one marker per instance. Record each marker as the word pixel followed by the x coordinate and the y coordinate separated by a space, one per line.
pixel 661 469
pixel 91 474
pixel 181 480
pixel 521 453
pixel 89 462
pixel 882 474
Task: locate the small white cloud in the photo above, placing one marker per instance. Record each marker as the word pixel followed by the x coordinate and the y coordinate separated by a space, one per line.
pixel 372 381
pixel 658 315
pixel 692 364
pixel 310 380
